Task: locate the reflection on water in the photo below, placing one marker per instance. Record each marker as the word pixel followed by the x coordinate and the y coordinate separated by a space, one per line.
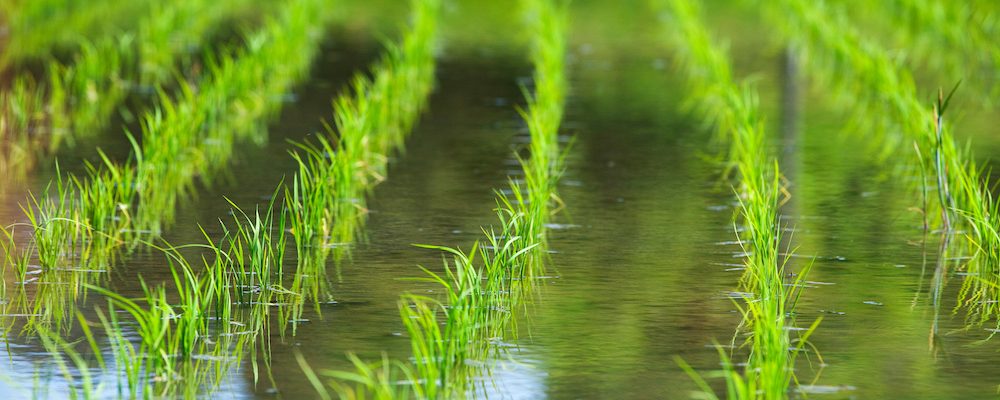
pixel 641 270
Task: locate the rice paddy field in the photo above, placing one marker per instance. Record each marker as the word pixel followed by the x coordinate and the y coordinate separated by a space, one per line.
pixel 443 199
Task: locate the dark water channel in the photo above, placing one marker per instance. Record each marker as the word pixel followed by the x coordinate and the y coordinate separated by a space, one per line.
pixel 643 255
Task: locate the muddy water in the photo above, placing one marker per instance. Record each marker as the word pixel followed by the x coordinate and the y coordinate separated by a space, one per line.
pixel 644 253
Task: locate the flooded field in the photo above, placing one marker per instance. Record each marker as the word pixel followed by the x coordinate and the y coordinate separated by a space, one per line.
pixel 460 199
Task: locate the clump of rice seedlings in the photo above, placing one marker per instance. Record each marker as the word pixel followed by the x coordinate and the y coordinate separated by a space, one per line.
pixel 105 203
pixel 257 250
pixel 863 75
pixel 21 117
pixel 451 338
pixel 55 223
pixel 254 259
pixel 308 202
pixel 444 335
pixel 153 315
pixel 732 109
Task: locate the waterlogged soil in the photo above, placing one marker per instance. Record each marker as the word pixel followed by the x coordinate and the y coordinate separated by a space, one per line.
pixel 644 257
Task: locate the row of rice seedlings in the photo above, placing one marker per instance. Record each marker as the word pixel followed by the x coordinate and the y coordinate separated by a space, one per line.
pixel 96 83
pixel 484 301
pixel 769 304
pixel 966 30
pixel 453 339
pixel 38 30
pixel 456 339
pixel 325 203
pixel 175 30
pixel 123 206
pixel 326 199
pixel 863 75
pixel 81 96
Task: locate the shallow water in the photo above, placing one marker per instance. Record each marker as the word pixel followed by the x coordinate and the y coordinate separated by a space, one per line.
pixel 643 256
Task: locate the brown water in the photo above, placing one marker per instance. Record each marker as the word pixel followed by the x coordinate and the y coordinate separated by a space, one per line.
pixel 643 254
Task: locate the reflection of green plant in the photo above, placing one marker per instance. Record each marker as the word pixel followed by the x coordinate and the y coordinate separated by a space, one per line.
pixel 59 349
pixel 377 380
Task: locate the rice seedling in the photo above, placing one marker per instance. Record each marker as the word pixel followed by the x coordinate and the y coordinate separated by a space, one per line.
pixel 731 108
pixel 863 76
